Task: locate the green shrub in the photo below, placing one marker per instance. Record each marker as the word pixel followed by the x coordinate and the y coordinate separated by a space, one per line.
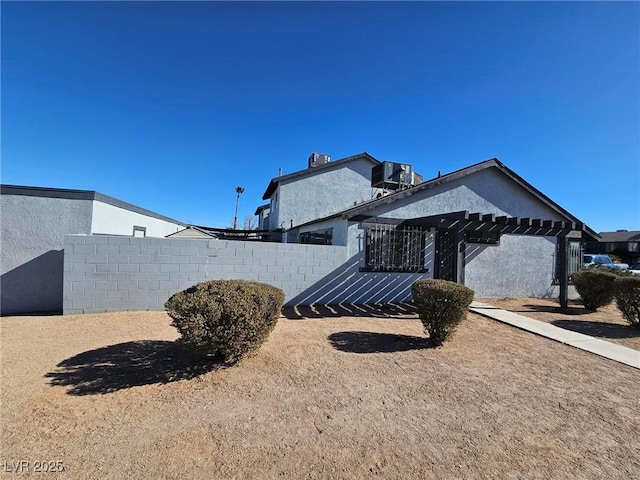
pixel 595 286
pixel 226 318
pixel 627 294
pixel 441 305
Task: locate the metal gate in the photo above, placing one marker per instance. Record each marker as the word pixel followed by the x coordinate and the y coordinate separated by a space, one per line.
pixel 574 259
pixel 445 259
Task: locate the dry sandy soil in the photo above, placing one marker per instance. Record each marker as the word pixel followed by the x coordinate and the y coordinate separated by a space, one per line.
pixel 328 396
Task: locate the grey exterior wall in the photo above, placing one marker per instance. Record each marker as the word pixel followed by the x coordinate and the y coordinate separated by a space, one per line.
pixel 330 191
pixel 32 233
pixel 104 273
pixel 486 191
pixel 33 225
pixel 519 266
pixel 337 225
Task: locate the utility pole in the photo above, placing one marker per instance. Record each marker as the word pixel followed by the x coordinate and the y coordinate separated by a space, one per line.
pixel 239 191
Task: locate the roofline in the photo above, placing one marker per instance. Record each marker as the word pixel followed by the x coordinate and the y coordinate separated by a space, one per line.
pixel 71 194
pixel 261 208
pixel 317 220
pixel 618 236
pixel 273 183
pixel 194 227
pixel 29 191
pixel 461 173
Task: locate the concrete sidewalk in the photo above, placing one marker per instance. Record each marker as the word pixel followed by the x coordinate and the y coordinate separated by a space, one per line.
pixel 609 350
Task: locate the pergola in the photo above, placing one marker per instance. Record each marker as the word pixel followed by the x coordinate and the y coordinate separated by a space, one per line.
pixel 463 221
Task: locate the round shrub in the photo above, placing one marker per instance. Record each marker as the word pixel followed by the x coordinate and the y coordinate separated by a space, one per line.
pixel 441 305
pixel 226 318
pixel 627 294
pixel 595 286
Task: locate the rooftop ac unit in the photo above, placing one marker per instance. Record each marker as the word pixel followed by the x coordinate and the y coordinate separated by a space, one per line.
pixel 392 175
pixel 316 159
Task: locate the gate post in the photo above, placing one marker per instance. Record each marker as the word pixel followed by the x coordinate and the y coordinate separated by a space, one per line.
pixel 563 268
pixel 460 256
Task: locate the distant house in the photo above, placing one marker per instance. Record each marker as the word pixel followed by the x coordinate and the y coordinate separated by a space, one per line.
pixel 323 188
pixel 193 231
pixel 262 212
pixel 623 243
pixel 483 226
pixel 33 225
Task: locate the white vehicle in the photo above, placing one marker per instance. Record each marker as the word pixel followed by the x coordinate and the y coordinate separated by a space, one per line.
pixel 591 259
pixel 635 268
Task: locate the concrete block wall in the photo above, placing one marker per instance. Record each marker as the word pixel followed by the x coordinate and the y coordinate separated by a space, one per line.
pixel 114 273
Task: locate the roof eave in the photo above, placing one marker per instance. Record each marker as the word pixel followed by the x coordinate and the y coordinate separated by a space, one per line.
pixel 273 184
pixel 493 162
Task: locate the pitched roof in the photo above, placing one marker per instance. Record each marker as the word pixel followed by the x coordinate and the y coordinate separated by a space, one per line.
pixel 262 208
pixel 192 228
pixel 443 179
pixel 273 184
pixel 621 236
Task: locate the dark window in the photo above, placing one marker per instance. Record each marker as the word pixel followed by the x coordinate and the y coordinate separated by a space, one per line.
pixel 393 249
pixel 319 237
pixel 478 236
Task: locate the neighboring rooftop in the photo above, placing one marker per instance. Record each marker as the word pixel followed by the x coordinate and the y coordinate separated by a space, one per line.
pixel 620 236
pixel 273 184
pixel 262 208
pixel 442 179
pixel 79 195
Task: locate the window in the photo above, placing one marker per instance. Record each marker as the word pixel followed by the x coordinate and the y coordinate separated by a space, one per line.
pixel 319 237
pixel 392 249
pixel 139 231
pixel 478 236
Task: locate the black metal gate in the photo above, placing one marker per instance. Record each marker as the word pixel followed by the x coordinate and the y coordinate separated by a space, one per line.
pixel 445 259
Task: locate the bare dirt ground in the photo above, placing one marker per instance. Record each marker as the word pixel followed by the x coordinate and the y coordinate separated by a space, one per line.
pixel 606 323
pixel 328 396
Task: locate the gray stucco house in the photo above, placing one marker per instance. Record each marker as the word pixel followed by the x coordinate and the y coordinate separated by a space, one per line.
pixel 33 226
pixel 483 226
pixel 356 230
pixel 319 190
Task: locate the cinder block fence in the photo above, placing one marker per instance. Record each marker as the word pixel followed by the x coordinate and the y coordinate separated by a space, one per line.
pixel 114 273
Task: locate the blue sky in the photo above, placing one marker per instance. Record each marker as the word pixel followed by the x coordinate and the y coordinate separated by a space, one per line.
pixel 170 106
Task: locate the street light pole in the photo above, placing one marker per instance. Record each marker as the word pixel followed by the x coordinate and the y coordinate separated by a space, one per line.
pixel 239 191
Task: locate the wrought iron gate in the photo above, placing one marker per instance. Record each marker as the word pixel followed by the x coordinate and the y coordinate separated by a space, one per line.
pixel 445 259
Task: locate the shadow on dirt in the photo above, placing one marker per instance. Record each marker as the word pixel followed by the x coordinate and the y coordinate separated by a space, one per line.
pixel 385 310
pixel 371 342
pixel 598 329
pixel 129 364
pixel 570 310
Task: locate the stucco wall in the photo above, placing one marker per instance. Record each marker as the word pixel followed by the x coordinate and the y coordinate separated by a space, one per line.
pixel 519 266
pixel 354 286
pixel 338 226
pixel 112 220
pixel 34 221
pixel 487 191
pixel 106 273
pixel 330 191
pixel 32 239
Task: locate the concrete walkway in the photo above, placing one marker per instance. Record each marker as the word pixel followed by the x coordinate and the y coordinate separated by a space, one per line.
pixel 621 354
